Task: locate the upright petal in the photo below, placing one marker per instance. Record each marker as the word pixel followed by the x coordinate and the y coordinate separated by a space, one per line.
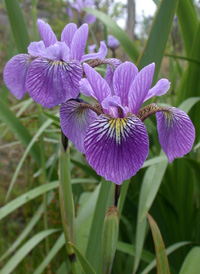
pixel 57 52
pixel 123 78
pixel 176 132
pixel 46 33
pixel 101 54
pixel 113 63
pixel 97 83
pixel 74 121
pixel 68 33
pixel 116 148
pixel 15 73
pixel 161 87
pixel 51 83
pixel 69 12
pixel 85 88
pixel 79 42
pixel 140 87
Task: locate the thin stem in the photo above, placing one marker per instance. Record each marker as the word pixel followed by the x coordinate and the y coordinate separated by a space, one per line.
pixel 147 111
pixel 117 194
pixel 95 109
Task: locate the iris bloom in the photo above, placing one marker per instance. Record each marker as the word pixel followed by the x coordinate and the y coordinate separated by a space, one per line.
pixel 112 133
pixel 79 5
pixel 113 43
pixel 52 70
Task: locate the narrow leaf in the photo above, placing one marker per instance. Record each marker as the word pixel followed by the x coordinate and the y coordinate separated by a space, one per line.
pixel 191 264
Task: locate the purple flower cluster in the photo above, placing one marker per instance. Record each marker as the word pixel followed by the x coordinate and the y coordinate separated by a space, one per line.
pixel 111 133
pixel 52 70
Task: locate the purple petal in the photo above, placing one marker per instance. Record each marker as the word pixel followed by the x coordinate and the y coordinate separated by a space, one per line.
pixel 161 87
pixel 74 121
pixel 15 73
pixel 58 51
pixel 69 12
pixel 140 87
pixel 101 54
pixel 176 132
pixel 36 48
pixel 85 88
pixel 79 42
pixel 89 18
pixel 68 33
pixel 92 48
pixel 111 106
pixel 46 33
pixel 113 64
pixel 98 84
pixel 52 83
pixel 113 43
pixel 122 80
pixel 116 148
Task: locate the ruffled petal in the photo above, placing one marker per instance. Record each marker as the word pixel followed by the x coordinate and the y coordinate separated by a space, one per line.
pixel 15 73
pixel 123 78
pixel 51 83
pixel 86 89
pixel 113 63
pixel 74 121
pixel 89 18
pixel 140 87
pixel 161 87
pixel 68 33
pixel 101 54
pixel 79 42
pixel 46 33
pixel 113 107
pixel 57 52
pixel 116 148
pixel 36 48
pixel 176 132
pixel 99 86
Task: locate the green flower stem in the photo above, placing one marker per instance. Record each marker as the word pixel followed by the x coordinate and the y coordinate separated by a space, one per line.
pixel 110 237
pixel 67 202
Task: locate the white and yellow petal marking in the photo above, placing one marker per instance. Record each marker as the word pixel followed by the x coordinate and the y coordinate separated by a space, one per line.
pixel 116 147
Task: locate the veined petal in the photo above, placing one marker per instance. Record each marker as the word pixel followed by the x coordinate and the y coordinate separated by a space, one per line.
pixel 53 82
pixel 113 63
pixel 74 121
pixel 46 33
pixel 15 73
pixel 161 87
pixel 36 48
pixel 79 42
pixel 116 148
pixel 57 52
pixel 101 54
pixel 176 132
pixel 123 78
pixel 85 88
pixel 140 87
pixel 68 33
pixel 98 84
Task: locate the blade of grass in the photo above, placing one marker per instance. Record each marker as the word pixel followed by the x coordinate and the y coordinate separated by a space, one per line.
pixel 191 263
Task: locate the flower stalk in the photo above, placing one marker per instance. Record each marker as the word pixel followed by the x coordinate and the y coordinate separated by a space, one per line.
pixel 66 201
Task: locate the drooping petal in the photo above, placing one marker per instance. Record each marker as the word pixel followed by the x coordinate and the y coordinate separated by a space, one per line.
pixel 123 78
pixel 53 82
pixel 140 87
pixel 161 87
pixel 57 52
pixel 116 148
pixel 176 132
pixel 74 121
pixel 36 48
pixel 98 84
pixel 101 54
pixel 89 18
pixel 113 63
pixel 68 33
pixel 79 42
pixel 15 73
pixel 46 33
pixel 86 89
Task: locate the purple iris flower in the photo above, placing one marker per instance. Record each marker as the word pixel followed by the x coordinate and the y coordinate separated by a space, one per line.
pixel 112 43
pixel 52 70
pixel 112 133
pixel 79 5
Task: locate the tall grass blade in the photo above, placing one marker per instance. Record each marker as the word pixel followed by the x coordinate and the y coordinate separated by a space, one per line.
pixel 191 263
